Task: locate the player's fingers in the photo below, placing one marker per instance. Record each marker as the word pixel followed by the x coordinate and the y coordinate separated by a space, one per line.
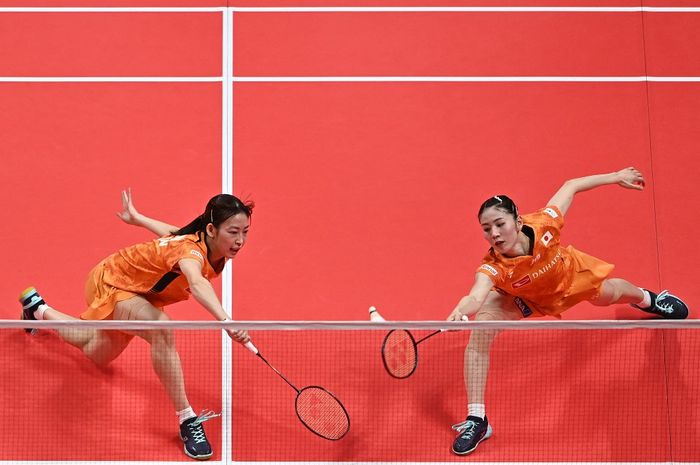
pixel 240 336
pixel 631 185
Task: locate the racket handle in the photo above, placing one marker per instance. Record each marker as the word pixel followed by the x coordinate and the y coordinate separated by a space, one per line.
pixel 251 347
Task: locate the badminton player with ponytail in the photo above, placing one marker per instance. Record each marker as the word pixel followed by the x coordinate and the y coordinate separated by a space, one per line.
pixel 138 281
pixel 526 272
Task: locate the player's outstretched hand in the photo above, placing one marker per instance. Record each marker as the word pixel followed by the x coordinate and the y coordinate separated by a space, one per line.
pixel 129 214
pixel 630 178
pixel 456 315
pixel 239 335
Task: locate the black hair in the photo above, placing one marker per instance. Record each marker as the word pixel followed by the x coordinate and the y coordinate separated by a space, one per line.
pixel 219 208
pixel 502 202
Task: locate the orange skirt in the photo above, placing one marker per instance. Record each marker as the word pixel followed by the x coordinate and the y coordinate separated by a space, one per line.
pixel 101 298
pixel 588 276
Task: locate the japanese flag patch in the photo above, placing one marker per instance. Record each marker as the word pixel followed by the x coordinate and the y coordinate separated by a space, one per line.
pixel 548 236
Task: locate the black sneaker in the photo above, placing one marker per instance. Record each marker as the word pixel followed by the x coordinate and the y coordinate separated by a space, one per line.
pixel 471 432
pixel 30 300
pixel 666 305
pixel 192 434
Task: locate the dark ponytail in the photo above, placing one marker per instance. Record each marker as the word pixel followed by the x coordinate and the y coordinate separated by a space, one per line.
pixel 219 208
pixel 502 202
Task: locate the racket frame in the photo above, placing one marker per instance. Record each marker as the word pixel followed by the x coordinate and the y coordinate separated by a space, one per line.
pixel 342 406
pixel 250 346
pixel 415 351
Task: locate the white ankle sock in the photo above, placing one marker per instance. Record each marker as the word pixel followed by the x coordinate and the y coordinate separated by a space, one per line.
pixel 186 414
pixel 646 301
pixel 477 410
pixel 39 312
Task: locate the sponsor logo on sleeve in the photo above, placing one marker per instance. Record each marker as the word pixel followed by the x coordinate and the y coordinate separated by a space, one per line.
pixel 524 281
pixel 163 241
pixel 551 212
pixel 197 253
pixel 548 236
pixel 489 269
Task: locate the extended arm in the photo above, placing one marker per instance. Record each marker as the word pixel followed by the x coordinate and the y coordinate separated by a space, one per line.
pixel 131 216
pixel 473 301
pixel 203 292
pixel 629 178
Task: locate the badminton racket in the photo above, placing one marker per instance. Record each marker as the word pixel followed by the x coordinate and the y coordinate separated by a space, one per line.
pixel 400 349
pixel 317 409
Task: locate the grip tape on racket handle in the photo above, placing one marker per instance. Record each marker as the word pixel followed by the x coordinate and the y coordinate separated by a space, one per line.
pixel 251 347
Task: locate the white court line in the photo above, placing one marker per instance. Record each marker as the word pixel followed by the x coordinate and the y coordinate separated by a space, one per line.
pixel 131 9
pixel 468 9
pixel 217 462
pixel 470 463
pixel 227 274
pixel 353 79
pixel 368 9
pixel 111 79
pixel 466 79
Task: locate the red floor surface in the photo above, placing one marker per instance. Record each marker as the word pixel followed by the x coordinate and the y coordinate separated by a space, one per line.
pixel 67 151
pixel 556 396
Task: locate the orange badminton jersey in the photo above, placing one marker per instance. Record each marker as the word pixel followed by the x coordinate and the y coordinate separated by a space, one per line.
pixel 149 269
pixel 553 278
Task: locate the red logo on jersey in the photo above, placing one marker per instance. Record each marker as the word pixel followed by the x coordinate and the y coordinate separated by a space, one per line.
pixel 522 282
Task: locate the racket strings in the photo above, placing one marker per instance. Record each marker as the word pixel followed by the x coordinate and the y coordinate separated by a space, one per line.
pixel 399 353
pixel 322 413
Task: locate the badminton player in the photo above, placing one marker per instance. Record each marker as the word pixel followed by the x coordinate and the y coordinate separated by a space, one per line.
pixel 526 272
pixel 138 281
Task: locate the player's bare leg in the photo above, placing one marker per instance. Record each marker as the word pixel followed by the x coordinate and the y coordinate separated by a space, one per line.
pixel 166 363
pixel 476 427
pixel 620 291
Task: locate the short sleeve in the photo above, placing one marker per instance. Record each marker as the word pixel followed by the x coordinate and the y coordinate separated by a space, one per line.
pixel 181 247
pixel 493 271
pixel 194 253
pixel 553 216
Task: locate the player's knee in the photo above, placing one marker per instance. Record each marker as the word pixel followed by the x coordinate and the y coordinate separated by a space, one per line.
pixel 102 362
pixel 480 340
pixel 161 337
pixel 610 293
pixel 99 358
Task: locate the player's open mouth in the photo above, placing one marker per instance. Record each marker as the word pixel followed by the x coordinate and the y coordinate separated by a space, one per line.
pixel 499 243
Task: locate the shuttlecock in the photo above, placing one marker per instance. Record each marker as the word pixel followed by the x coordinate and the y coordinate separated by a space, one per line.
pixel 374 314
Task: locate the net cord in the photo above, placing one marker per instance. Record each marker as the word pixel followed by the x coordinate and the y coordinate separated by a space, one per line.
pixel 356 325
